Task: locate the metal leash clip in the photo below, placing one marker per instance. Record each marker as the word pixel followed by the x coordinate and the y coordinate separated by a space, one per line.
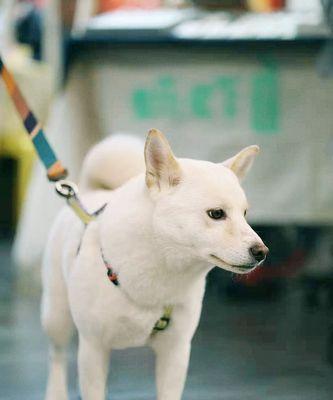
pixel 70 192
pixel 66 188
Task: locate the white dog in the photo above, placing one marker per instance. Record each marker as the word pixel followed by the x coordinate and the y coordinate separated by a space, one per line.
pixel 144 261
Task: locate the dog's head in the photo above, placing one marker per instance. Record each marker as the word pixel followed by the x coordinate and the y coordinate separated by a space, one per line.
pixel 200 207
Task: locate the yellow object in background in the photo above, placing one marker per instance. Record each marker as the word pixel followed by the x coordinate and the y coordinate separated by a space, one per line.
pixel 35 80
pixel 19 147
pixel 265 5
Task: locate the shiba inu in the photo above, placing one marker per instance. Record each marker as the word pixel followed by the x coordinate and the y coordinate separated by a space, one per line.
pixel 135 276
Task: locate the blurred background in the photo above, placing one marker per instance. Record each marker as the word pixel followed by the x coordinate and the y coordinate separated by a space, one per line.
pixel 214 76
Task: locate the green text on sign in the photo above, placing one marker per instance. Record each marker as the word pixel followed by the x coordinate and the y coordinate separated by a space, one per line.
pixel 218 97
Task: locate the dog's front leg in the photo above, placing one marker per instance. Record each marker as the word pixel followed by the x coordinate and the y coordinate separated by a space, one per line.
pixel 93 370
pixel 172 358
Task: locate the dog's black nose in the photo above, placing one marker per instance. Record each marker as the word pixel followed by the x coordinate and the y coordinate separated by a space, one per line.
pixel 259 252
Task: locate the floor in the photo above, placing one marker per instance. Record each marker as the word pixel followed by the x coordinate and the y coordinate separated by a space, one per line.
pixel 259 350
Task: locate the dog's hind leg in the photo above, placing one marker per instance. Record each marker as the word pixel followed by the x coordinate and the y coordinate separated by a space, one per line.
pixel 57 380
pixel 93 369
pixel 57 323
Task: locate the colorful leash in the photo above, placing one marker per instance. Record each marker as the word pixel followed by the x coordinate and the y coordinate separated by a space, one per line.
pixel 56 172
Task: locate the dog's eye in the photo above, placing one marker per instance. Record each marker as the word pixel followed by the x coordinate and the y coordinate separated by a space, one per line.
pixel 217 213
pixel 245 212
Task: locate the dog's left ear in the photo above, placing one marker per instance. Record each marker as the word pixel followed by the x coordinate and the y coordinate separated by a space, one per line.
pixel 162 168
pixel 241 163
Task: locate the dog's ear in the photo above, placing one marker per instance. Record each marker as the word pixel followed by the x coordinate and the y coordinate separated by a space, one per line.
pixel 162 168
pixel 241 163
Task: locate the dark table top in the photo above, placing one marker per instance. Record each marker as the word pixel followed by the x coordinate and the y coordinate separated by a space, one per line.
pixel 97 40
pixel 80 46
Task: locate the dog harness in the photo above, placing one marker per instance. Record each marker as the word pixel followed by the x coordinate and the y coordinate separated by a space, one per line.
pixel 56 172
pixel 163 322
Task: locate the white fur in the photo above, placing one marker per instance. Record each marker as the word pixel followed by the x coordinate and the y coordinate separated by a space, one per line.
pixel 157 235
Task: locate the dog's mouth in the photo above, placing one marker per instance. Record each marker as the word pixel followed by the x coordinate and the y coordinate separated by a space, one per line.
pixel 239 269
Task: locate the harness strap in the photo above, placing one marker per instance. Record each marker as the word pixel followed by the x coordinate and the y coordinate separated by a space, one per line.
pixel 55 169
pixel 69 191
pixel 163 323
pixel 110 272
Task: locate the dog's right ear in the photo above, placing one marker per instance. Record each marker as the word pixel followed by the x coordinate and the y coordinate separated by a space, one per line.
pixel 162 168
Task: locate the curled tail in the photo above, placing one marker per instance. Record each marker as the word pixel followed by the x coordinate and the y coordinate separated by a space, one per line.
pixel 112 162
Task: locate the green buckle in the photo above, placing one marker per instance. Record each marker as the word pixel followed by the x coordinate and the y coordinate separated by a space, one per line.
pixel 164 321
pixel 162 324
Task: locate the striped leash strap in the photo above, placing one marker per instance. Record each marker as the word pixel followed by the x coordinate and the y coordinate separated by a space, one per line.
pixel 56 172
pixel 55 169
